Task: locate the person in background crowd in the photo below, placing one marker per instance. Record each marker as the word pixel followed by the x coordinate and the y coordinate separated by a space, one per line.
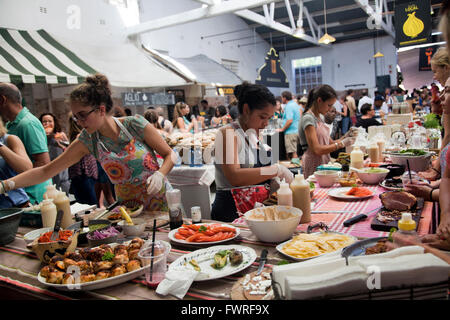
pixel 128 112
pixel 233 109
pixel 331 122
pixel 57 142
pixel 367 118
pixel 180 121
pixel 364 99
pixel 208 110
pixel 23 124
pixel 338 111
pixel 83 174
pixel 165 124
pixel 125 147
pixel 221 116
pixel 118 112
pixel 381 109
pixel 13 160
pixel 351 104
pixel 302 101
pixel 278 110
pixel 237 141
pixel 314 134
pixel 152 117
pixel 345 114
pixel 291 120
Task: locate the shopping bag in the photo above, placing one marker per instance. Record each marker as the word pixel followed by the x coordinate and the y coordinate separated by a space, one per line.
pixel 245 198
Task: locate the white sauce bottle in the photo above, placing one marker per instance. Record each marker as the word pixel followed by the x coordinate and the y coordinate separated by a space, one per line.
pixel 284 194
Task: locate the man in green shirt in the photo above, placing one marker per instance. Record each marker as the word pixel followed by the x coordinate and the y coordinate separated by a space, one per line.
pixel 22 123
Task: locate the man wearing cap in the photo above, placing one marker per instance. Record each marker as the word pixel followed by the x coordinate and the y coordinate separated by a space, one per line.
pixel 381 108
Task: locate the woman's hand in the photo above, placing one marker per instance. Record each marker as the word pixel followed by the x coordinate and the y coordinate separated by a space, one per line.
pixel 155 183
pixel 434 241
pixel 443 231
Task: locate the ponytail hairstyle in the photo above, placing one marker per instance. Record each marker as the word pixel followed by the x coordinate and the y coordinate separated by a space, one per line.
pixel 255 95
pixel 94 91
pixel 324 92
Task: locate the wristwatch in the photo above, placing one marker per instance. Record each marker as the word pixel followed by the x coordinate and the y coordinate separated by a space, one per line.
pixel 1 144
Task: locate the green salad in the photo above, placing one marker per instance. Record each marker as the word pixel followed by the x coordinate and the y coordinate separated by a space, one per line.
pixel 414 152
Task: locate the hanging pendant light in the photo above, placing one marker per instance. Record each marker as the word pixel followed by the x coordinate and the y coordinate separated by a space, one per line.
pixel 326 38
pixel 378 55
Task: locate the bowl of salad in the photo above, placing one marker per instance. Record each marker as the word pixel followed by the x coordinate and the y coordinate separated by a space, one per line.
pixel 372 175
pixel 102 236
pixel 419 160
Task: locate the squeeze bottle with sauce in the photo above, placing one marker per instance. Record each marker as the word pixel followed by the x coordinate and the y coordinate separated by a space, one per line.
pixel 48 213
pixel 356 158
pixel 301 197
pixel 62 202
pixel 51 192
pixel 407 226
pixel 284 194
pixel 374 153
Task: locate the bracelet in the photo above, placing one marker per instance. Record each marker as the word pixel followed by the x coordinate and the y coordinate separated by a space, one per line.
pixel 431 194
pixel 337 145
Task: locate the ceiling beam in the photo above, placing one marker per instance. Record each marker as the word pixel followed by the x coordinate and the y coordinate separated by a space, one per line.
pixel 252 16
pixel 376 15
pixel 209 9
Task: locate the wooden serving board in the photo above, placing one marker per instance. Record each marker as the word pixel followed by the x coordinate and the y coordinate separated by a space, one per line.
pixel 238 292
pixel 382 226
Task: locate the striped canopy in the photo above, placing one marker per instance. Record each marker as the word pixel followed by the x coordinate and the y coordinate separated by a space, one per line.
pixel 36 57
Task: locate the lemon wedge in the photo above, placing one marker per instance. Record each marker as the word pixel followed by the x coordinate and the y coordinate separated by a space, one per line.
pixel 126 216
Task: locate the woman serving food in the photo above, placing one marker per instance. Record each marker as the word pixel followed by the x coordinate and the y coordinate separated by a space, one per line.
pixel 239 154
pixel 125 147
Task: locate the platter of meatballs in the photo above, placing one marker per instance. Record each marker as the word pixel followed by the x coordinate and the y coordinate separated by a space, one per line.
pixel 94 268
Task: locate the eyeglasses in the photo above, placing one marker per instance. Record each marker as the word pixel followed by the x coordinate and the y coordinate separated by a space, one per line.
pixel 82 116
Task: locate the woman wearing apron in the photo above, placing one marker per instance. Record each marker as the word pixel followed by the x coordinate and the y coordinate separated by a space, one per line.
pixel 314 134
pixel 238 153
pixel 125 148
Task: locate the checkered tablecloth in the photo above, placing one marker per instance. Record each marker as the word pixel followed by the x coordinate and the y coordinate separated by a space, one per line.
pixel 361 229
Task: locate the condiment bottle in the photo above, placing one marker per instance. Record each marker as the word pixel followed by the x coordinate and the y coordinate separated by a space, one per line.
pixel 284 194
pixel 196 214
pixel 301 197
pixel 62 202
pixel 381 146
pixel 407 226
pixel 357 158
pixel 175 208
pixel 48 213
pixel 51 192
pixel 374 153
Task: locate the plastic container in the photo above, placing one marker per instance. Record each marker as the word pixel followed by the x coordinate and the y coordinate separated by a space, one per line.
pixel 48 213
pixel 356 158
pixel 62 202
pixel 407 227
pixel 284 194
pixel 301 197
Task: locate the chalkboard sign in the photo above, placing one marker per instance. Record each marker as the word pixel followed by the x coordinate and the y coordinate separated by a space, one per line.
pixel 130 99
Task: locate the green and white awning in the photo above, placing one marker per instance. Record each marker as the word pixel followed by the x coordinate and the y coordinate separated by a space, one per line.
pixel 36 57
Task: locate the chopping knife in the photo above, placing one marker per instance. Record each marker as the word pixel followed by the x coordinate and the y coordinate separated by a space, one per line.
pixel 359 217
pixel 262 262
pixel 58 220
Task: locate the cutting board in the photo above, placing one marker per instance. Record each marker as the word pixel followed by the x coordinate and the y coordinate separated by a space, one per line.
pixel 238 292
pixel 381 226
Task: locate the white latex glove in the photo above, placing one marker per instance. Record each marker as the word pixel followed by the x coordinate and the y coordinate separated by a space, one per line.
pixel 284 173
pixel 6 185
pixel 155 182
pixel 348 141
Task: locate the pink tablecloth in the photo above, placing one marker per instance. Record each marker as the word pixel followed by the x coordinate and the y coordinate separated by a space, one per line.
pixel 361 229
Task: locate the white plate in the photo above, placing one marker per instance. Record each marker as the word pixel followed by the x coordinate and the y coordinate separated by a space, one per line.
pixel 389 188
pixel 97 284
pixel 205 257
pixel 337 252
pixel 172 236
pixel 339 193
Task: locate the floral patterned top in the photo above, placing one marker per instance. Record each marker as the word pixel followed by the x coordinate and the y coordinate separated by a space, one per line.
pixel 134 124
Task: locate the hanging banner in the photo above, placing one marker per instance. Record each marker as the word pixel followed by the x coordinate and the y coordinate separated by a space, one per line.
pixel 425 56
pixel 271 74
pixel 130 99
pixel 412 23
